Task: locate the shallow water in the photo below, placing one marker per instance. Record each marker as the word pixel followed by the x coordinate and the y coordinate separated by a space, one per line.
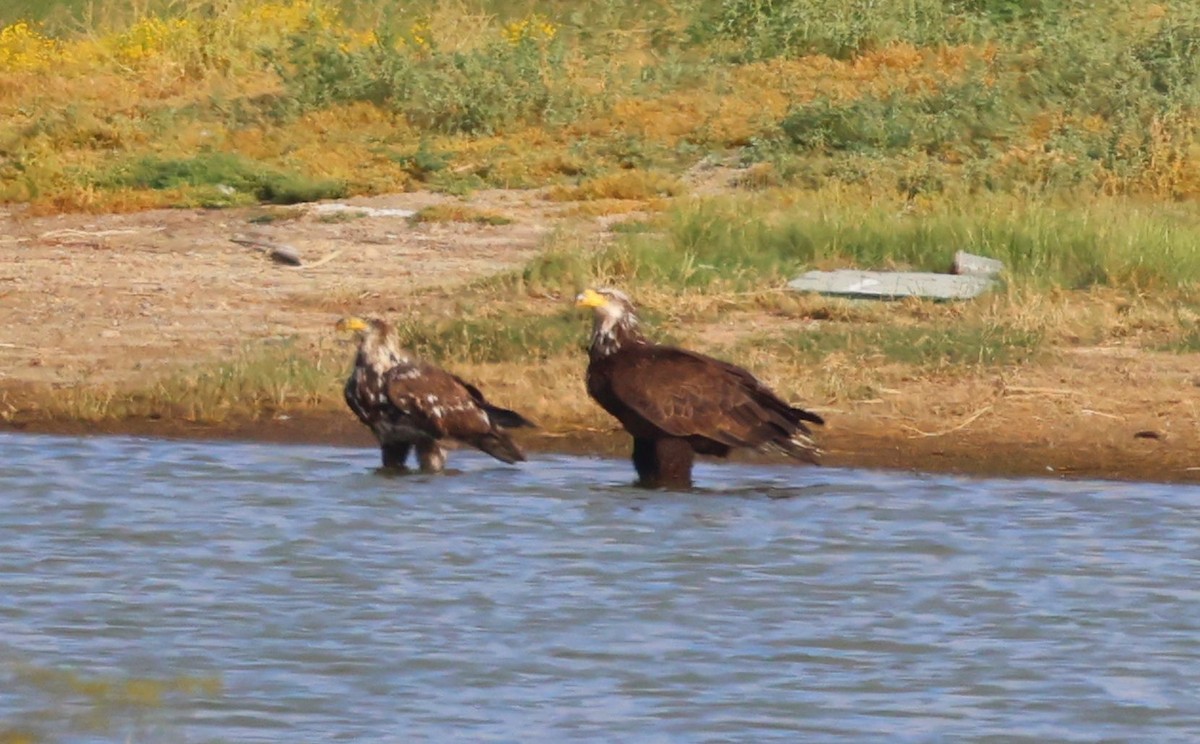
pixel 156 591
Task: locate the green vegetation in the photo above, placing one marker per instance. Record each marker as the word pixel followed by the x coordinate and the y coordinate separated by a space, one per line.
pixel 919 99
pixel 481 339
pixel 751 242
pixel 260 381
pixel 218 180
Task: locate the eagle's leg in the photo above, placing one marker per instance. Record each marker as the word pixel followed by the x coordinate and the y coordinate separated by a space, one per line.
pixel 431 456
pixel 663 463
pixel 394 454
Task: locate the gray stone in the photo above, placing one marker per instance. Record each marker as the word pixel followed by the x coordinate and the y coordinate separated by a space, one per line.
pixel 892 285
pixel 969 263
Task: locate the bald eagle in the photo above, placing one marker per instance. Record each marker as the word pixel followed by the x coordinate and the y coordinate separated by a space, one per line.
pixel 410 403
pixel 677 403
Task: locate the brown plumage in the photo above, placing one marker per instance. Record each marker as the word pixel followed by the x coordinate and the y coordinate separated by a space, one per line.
pixel 676 403
pixel 411 403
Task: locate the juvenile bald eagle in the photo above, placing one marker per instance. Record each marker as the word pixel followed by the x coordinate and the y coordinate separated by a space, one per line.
pixel 410 403
pixel 677 403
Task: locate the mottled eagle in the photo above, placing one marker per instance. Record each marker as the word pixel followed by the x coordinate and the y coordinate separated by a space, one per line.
pixel 411 403
pixel 677 403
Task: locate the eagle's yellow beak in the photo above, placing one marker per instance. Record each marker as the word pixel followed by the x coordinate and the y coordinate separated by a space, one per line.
pixel 351 324
pixel 590 298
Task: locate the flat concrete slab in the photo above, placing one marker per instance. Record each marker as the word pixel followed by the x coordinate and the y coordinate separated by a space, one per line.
pixel 892 285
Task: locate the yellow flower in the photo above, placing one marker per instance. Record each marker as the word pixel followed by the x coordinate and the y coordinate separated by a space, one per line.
pixel 148 37
pixel 287 17
pixel 422 34
pixel 536 27
pixel 25 48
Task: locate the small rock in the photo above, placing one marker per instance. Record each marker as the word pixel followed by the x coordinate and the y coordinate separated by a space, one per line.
pixel 1147 434
pixel 970 264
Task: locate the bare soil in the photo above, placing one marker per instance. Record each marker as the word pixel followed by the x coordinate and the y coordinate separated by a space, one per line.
pixel 94 300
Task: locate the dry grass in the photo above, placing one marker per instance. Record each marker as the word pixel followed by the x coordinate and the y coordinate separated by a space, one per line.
pixel 460 213
pixel 627 185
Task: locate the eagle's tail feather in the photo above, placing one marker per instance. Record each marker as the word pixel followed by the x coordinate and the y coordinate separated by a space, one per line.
pixel 506 418
pixel 803 415
pixel 800 446
pixel 499 445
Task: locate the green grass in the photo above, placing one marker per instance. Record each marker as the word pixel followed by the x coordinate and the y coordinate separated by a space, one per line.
pixel 495 339
pixel 258 381
pixel 1185 338
pixel 748 242
pixel 220 179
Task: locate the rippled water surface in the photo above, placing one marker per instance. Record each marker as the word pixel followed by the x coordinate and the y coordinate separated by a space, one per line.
pixel 155 591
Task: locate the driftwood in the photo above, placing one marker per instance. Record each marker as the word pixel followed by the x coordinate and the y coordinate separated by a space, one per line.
pixel 277 252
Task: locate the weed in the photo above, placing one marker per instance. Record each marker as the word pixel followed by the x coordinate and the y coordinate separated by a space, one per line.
pixel 422 162
pixel 620 185
pixel 762 29
pixel 220 179
pixel 495 339
pixel 458 213
pixel 258 381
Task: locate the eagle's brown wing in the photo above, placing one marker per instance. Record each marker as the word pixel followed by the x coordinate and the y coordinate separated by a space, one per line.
pixel 443 405
pixel 686 394
pixel 435 400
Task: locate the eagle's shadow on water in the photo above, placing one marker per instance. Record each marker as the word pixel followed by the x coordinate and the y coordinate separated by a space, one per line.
pixel 769 490
pixel 756 488
pixel 389 473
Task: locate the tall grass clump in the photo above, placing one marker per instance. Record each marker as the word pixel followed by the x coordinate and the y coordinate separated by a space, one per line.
pixel 518 76
pixel 743 244
pixel 258 381
pixel 221 179
pixel 762 29
pixel 483 339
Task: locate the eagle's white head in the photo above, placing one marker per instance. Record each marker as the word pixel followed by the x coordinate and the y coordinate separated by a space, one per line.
pixel 379 346
pixel 614 321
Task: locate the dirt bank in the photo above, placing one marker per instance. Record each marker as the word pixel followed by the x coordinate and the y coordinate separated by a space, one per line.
pixel 119 299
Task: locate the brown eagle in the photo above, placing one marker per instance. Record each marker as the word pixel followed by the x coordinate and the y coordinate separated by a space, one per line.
pixel 410 403
pixel 677 403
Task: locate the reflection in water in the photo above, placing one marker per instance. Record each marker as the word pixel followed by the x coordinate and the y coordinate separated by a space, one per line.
pixel 166 591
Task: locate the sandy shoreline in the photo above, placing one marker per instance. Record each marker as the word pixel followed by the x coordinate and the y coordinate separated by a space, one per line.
pixel 1104 452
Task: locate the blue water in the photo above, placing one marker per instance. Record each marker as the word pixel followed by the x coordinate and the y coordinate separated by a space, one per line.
pixel 161 591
